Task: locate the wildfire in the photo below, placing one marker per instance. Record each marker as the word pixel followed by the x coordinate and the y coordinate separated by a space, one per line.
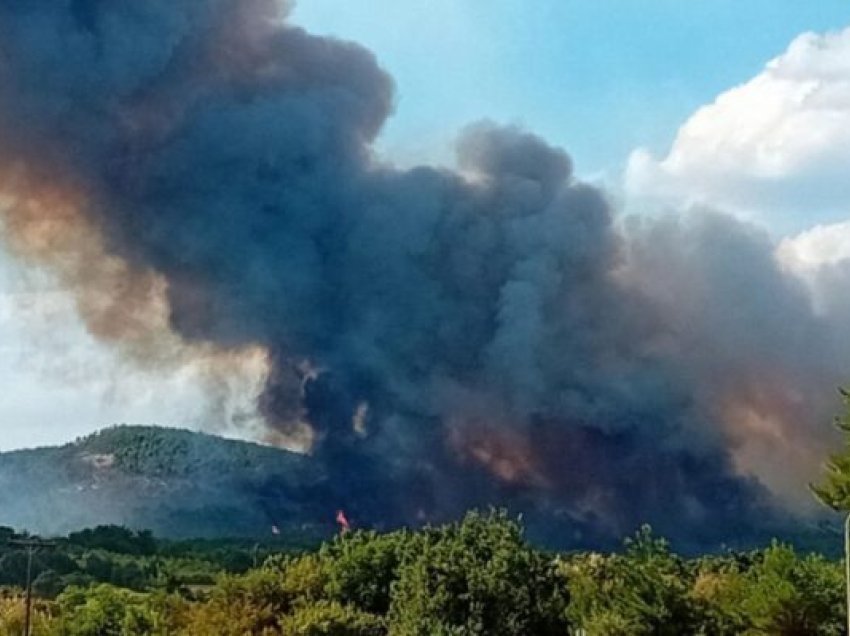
pixel 506 454
pixel 342 521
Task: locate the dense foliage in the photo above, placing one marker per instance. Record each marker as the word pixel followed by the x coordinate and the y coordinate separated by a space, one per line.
pixel 834 490
pixel 133 560
pixel 476 577
pixel 647 589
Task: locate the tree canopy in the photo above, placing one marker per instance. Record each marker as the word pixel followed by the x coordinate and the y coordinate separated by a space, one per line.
pixel 478 576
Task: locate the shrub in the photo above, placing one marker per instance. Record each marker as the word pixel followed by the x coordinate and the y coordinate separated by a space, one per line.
pixel 329 618
pixel 476 577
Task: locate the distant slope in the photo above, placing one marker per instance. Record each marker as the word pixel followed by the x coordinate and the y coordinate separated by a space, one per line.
pixel 183 484
pixel 175 482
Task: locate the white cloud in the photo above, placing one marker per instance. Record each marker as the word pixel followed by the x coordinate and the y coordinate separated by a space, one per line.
pixel 775 149
pixel 822 245
pixel 58 382
pixel 820 257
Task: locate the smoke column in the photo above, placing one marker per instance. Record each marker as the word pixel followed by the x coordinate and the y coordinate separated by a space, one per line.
pixel 438 338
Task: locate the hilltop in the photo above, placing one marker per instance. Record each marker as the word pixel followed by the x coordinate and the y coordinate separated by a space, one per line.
pixel 177 483
pixel 184 484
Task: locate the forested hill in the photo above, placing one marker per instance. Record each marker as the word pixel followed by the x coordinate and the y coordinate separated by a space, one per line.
pixel 184 484
pixel 175 482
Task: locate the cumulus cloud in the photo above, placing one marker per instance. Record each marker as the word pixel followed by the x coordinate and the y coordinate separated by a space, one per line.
pixel 775 149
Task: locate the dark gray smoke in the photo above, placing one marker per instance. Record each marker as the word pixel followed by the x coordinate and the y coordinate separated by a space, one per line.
pixel 453 338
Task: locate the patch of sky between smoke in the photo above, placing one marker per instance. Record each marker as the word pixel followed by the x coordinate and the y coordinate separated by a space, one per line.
pixel 59 382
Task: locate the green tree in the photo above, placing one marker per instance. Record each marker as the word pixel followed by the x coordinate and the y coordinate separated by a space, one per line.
pixel 646 590
pixel 476 577
pixel 13 568
pixel 791 596
pixel 105 610
pixel 98 611
pixel 115 539
pixel 48 584
pixel 257 602
pixel 718 587
pixel 834 489
pixel 329 618
pixel 361 568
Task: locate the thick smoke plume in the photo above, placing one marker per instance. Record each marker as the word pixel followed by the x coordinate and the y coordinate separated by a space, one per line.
pixel 439 339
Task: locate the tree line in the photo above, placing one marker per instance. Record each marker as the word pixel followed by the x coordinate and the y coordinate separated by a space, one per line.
pixel 476 576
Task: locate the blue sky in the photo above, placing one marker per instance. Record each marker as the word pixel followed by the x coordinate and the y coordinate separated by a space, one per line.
pixel 599 77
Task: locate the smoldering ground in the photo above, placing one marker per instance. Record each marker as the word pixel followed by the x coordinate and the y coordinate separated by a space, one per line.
pixel 438 338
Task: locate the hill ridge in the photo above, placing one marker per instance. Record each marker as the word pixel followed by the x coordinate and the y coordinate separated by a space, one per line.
pixel 177 482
